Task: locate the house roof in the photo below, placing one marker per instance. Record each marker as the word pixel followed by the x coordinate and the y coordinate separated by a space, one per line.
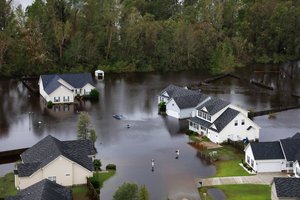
pixel 296 136
pixel 213 105
pixel 200 121
pixel 266 150
pixel 287 187
pixel 50 81
pixel 291 148
pixel 225 118
pixel 44 190
pixel 50 148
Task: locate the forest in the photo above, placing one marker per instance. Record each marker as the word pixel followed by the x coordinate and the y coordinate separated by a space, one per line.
pixel 55 36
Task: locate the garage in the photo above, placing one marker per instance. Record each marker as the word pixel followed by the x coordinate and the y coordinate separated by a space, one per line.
pixel 269 166
pixel 173 113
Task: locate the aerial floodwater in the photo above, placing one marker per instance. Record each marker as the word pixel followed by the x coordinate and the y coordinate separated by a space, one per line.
pixel 149 135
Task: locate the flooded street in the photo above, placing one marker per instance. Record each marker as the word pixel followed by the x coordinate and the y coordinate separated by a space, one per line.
pixel 151 136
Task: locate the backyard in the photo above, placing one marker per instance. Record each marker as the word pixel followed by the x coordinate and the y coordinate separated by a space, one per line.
pixel 7 185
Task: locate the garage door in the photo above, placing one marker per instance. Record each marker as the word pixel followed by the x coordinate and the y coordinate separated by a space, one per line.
pixel 172 113
pixel 269 167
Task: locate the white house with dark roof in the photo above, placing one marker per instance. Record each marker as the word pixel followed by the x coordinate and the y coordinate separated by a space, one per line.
pixel 180 102
pixel 285 188
pixel 64 162
pixel 43 190
pixel 219 121
pixel 277 156
pixel 62 88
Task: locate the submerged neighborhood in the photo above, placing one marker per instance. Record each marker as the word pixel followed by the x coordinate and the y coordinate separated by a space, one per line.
pixel 51 167
pixel 149 100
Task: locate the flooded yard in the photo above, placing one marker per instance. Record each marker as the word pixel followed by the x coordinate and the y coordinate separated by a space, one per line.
pixel 150 135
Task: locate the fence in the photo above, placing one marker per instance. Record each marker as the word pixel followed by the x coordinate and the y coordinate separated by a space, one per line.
pixel 93 194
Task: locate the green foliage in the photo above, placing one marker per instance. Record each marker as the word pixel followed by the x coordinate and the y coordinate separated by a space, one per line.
pixel 7 185
pixel 97 164
pixel 143 193
pixel 111 167
pixel 95 182
pixel 104 175
pixel 49 104
pixel 162 107
pixel 92 135
pixel 139 35
pixel 83 124
pixel 127 191
pixel 94 94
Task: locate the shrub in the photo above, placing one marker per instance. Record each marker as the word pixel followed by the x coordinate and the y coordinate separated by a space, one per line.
pixel 95 182
pixel 162 107
pixel 111 167
pixel 94 94
pixel 97 164
pixel 272 116
pixel 49 104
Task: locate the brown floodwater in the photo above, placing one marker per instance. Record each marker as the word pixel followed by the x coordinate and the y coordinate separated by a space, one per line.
pixel 151 136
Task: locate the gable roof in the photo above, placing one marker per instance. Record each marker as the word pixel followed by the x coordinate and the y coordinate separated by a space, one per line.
pixel 287 187
pixel 50 148
pixel 200 121
pixel 213 105
pixel 225 118
pixel 291 148
pixel 43 190
pixel 50 81
pixel 266 150
pixel 296 136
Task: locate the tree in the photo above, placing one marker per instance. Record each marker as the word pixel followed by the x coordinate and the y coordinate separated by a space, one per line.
pixel 92 135
pixel 143 193
pixel 83 125
pixel 131 191
pixel 127 191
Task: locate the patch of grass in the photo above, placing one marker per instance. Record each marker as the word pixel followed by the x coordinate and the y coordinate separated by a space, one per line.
pixel 80 192
pixel 228 161
pixel 7 185
pixel 104 175
pixel 243 191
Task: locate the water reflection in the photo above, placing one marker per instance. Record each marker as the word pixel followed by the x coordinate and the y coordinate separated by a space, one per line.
pixel 150 135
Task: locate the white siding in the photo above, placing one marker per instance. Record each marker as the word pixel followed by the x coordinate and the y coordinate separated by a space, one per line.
pixel 42 91
pixel 186 113
pixel 60 93
pixel 172 109
pixel 249 157
pixel 240 131
pixel 297 169
pixel 87 89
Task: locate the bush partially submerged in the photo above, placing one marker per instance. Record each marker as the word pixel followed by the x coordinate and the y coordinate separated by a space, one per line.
pixel 49 104
pixel 111 167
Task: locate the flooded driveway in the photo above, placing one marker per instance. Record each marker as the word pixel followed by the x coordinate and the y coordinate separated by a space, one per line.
pixel 150 135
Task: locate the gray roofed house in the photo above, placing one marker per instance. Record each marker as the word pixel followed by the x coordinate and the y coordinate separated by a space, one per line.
pixel 62 88
pixel 267 150
pixel 225 118
pixel 213 105
pixel 286 188
pixel 49 149
pixel 291 148
pixel 43 190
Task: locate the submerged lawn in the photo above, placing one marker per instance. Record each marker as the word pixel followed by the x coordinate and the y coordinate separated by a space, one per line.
pixel 242 191
pixel 228 162
pixel 103 176
pixel 7 185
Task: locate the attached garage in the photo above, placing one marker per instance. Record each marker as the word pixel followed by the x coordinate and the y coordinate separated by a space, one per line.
pixel 269 166
pixel 173 113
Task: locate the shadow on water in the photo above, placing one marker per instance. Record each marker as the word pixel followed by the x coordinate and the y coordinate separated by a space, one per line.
pixel 149 136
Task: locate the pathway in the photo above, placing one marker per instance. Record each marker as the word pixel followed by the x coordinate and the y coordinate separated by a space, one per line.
pixel 261 178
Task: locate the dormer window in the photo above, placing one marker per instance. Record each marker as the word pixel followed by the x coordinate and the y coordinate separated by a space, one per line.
pixel 208 117
pixel 204 115
pixel 199 113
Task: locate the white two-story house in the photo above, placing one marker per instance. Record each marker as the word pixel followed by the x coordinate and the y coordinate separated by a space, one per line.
pixel 63 88
pixel 219 121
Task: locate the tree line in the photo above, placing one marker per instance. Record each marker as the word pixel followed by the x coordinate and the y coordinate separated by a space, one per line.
pixel 54 36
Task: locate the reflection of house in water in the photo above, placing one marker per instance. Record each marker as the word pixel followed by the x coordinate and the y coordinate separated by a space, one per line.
pixel 59 110
pixel 175 126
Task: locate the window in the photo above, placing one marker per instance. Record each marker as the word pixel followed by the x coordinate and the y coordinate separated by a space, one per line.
pixel 66 107
pixel 249 128
pixel 199 113
pixel 52 178
pixel 252 163
pixel 203 128
pixel 191 123
pixel 208 117
pixel 204 115
pixel 56 99
pixel 289 164
pixel 66 99
pixel 243 122
pixel 235 122
pixel 248 159
pixel 67 174
pixel 197 127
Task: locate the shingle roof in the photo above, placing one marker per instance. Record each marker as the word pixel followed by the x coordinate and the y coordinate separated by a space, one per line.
pixel 225 118
pixel 171 89
pixel 50 81
pixel 296 136
pixel 287 187
pixel 50 148
pixel 201 122
pixel 266 150
pixel 44 190
pixel 213 105
pixel 291 148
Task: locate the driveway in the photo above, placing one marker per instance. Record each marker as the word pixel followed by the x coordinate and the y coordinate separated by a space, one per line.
pixel 261 178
